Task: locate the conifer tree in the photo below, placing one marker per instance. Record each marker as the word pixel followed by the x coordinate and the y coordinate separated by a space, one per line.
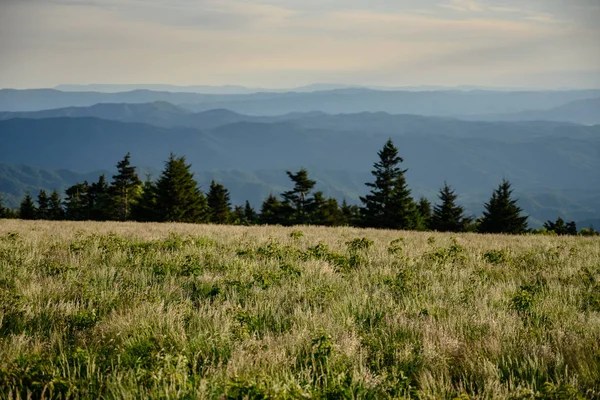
pixel 218 203
pixel 502 215
pixel 350 214
pixel 144 210
pixel 560 227
pixel 250 215
pixel 27 210
pixel 325 211
pixel 126 186
pixel 237 217
pixel 99 200
pixel 448 216
pixel 271 212
pixel 4 211
pixel 298 198
pixel 423 222
pixel 43 208
pixel 177 194
pixel 389 204
pixel 77 207
pixel 55 208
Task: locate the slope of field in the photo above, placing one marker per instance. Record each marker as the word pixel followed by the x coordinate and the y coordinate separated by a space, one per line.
pixel 130 310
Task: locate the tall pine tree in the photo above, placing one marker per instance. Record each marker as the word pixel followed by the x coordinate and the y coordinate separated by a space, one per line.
pixel 389 204
pixel 99 200
pixel 250 216
pixel 144 210
pixel 298 198
pixel 27 210
pixel 502 215
pixel 218 203
pixel 126 186
pixel 55 207
pixel 178 197
pixel 43 209
pixel 271 212
pixel 448 216
pixel 77 206
pixel 423 215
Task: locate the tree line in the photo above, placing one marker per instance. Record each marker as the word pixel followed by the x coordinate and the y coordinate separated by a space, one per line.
pixel 176 197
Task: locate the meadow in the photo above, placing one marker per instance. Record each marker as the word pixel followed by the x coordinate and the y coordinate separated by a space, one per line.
pixel 175 311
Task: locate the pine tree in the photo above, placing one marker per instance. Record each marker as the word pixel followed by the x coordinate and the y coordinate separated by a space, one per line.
pixel 423 215
pixel 27 209
pixel 502 215
pixel 560 227
pixel 144 210
pixel 99 200
pixel 55 208
pixel 177 194
pixel 448 216
pixel 350 214
pixel 77 206
pixel 43 208
pixel 325 211
pixel 4 211
pixel 271 212
pixel 126 186
pixel 389 204
pixel 218 203
pixel 250 215
pixel 298 198
pixel 237 216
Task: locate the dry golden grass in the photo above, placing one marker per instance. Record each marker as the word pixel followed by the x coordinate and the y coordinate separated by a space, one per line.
pixel 130 310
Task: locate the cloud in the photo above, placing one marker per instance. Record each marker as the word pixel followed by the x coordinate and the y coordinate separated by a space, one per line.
pixel 271 42
pixel 464 5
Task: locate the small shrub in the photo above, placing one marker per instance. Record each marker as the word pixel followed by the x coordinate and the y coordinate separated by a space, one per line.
pixel 496 257
pixel 359 244
pixel 296 234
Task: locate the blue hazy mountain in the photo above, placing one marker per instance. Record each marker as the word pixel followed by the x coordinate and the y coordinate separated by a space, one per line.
pixel 554 166
pixel 586 111
pixel 352 100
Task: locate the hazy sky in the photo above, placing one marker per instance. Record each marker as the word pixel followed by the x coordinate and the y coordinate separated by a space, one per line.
pixel 284 43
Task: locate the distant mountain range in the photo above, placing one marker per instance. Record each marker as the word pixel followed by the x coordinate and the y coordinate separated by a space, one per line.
pixel 554 166
pixel 236 89
pixel 586 111
pixel 430 103
pixel 546 142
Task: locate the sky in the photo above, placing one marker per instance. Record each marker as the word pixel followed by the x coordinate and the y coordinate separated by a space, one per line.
pixel 288 43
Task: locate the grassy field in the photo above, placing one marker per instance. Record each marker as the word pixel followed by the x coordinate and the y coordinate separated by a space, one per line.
pixel 126 310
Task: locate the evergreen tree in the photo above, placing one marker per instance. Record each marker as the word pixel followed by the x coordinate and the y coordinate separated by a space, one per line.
pixel 177 195
pixel 126 186
pixel 218 203
pixel 27 209
pixel 423 215
pixel 325 211
pixel 298 198
pixel 560 227
pixel 502 215
pixel 448 216
pixel 99 200
pixel 55 208
pixel 272 211
pixel 77 206
pixel 350 214
pixel 43 209
pixel 144 210
pixel 250 215
pixel 4 211
pixel 389 204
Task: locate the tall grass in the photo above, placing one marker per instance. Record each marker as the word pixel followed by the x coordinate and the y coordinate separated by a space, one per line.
pixel 126 310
